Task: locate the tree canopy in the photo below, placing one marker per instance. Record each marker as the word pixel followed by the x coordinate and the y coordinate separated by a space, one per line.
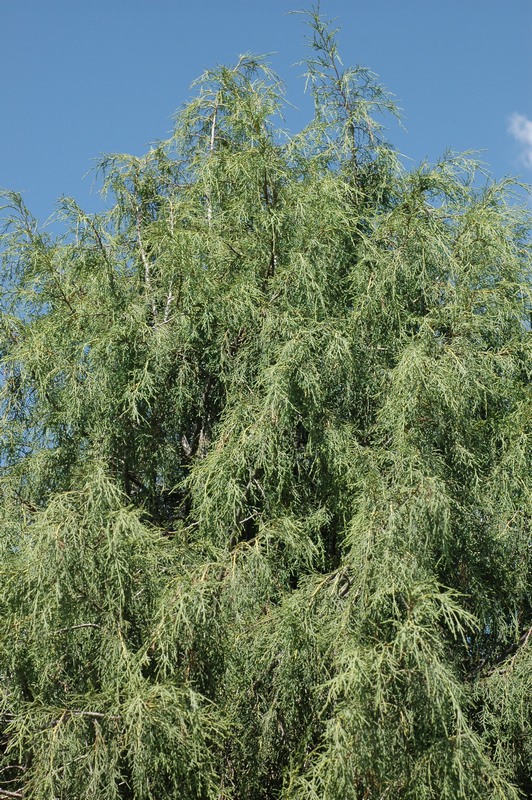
pixel 266 465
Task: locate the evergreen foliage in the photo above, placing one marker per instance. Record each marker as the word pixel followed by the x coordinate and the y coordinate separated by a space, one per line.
pixel 266 466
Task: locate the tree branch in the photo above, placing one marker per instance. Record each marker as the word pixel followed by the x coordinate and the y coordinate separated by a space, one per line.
pixel 211 151
pixel 145 261
pixel 78 627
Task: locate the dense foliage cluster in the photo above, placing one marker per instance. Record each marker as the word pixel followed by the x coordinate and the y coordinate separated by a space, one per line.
pixel 266 467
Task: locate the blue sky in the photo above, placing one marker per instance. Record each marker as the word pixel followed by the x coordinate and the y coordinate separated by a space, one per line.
pixel 85 77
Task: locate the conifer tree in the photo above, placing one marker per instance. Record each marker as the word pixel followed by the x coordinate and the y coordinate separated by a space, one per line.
pixel 266 471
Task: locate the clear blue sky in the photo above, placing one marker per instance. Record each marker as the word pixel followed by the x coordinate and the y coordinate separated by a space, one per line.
pixel 84 77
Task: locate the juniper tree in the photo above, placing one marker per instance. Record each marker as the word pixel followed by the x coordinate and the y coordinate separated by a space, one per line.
pixel 266 466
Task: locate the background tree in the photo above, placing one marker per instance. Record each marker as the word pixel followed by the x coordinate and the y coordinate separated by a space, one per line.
pixel 266 466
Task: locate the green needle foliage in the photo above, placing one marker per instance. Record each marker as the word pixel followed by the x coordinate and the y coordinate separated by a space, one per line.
pixel 266 466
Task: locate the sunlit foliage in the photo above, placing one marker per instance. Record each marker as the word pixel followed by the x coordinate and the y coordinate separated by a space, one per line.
pixel 266 471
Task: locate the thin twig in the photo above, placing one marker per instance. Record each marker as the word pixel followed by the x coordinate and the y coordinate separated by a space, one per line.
pixel 77 627
pixel 26 503
pixel 79 712
pixel 104 252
